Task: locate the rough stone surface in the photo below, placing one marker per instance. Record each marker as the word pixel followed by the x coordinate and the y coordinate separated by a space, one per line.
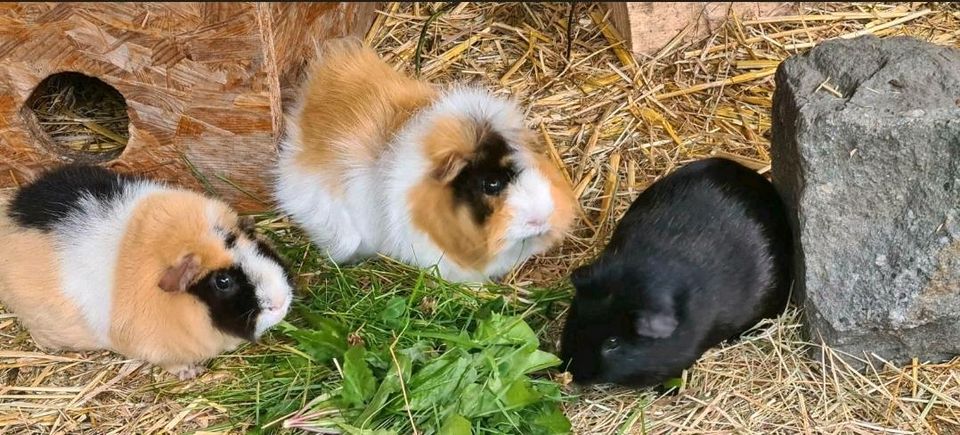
pixel 866 152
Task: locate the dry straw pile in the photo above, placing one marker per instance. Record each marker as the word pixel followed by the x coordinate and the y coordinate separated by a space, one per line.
pixel 616 123
pixel 81 114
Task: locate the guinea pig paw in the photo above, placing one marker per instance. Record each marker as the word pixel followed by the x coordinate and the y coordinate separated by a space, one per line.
pixel 185 372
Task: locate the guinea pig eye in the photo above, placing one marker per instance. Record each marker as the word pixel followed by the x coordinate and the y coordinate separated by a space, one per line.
pixel 492 185
pixel 223 281
pixel 611 344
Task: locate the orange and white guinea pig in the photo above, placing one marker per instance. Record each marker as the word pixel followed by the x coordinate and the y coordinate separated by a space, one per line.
pixel 374 162
pixel 96 260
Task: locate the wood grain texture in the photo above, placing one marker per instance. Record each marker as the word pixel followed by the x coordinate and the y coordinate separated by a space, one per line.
pixel 202 81
pixel 647 27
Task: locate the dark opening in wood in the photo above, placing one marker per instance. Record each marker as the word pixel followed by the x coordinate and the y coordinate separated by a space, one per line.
pixel 82 118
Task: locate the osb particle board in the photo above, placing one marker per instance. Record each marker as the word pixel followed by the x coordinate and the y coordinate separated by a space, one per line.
pixel 202 82
pixel 647 27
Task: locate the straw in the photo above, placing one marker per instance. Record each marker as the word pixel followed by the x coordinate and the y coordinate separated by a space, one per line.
pixel 616 124
pixel 82 114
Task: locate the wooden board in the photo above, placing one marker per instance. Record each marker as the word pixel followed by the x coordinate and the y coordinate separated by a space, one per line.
pixel 202 82
pixel 647 27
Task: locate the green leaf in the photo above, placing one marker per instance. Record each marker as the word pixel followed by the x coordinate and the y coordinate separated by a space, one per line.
pixel 551 421
pixel 319 345
pixel 418 352
pixel 477 401
pixel 459 340
pixel 394 312
pixel 319 322
pixel 465 368
pixel 389 387
pixel 505 330
pixel 456 425
pixel 548 389
pixel 437 382
pixel 519 394
pixel 358 382
pixel 351 430
pixel 490 307
pixel 673 383
pixel 527 360
pixel 326 341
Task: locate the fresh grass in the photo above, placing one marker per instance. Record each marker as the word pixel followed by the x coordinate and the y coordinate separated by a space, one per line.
pixel 382 348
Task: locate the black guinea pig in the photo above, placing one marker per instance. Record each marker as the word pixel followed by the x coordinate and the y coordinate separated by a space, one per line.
pixel 701 256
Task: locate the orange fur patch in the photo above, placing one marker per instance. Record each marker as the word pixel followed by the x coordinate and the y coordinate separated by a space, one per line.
pixel 448 145
pixel 564 202
pixel 161 327
pixel 450 226
pixel 450 142
pixel 353 104
pixel 497 227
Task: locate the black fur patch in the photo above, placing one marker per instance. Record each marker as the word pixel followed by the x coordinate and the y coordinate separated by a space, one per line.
pixel 57 193
pixel 489 164
pixel 267 251
pixel 234 310
pixel 688 249
pixel 230 240
pixel 248 226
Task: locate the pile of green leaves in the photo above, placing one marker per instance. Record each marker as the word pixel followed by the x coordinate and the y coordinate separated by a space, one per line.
pixel 471 381
pixel 386 350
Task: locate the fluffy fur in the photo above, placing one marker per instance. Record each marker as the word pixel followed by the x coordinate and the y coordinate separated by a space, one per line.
pixel 152 272
pixel 377 162
pixel 700 257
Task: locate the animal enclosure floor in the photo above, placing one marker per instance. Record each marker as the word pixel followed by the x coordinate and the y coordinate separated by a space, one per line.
pixel 616 124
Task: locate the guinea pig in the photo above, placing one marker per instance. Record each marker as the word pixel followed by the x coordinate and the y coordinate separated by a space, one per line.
pixel 96 260
pixel 701 256
pixel 375 162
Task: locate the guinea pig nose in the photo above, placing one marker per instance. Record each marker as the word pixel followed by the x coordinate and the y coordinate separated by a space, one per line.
pixel 536 222
pixel 276 306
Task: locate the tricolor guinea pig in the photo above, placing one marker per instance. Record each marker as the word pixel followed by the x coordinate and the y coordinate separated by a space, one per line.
pixel 701 256
pixel 96 260
pixel 376 162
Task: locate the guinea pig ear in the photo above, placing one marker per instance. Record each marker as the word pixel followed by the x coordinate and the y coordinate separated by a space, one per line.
pixel 584 280
pixel 581 276
pixel 179 276
pixel 654 324
pixel 449 167
pixel 532 141
pixel 246 224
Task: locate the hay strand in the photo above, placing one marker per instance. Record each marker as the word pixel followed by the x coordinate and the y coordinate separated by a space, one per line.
pixel 616 124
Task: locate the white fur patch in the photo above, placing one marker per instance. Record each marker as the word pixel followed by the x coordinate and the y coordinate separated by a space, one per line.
pixel 480 105
pixel 88 246
pixel 532 205
pixel 327 219
pixel 274 294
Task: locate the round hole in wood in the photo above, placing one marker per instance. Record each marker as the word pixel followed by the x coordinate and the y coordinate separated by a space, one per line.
pixel 82 118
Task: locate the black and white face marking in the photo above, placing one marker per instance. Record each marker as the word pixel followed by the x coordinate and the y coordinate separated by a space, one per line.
pixel 485 177
pixel 56 194
pixel 263 248
pixel 251 296
pixel 232 300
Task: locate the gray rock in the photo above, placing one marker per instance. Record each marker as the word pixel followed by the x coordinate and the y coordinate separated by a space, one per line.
pixel 866 152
